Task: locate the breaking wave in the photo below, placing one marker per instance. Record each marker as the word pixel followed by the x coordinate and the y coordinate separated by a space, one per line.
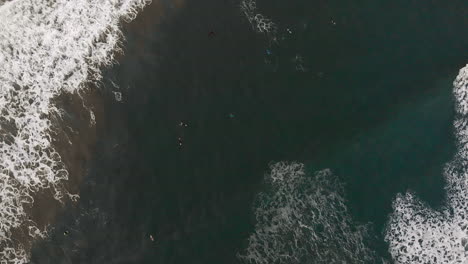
pixel 304 219
pixel 259 22
pixel 47 47
pixel 417 233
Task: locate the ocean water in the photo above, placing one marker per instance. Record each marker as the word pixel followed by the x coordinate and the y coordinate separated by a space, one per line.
pixel 47 49
pixel 312 132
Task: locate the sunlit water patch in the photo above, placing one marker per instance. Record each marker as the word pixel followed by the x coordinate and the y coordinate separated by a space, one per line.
pixel 417 233
pixel 303 218
pixel 46 48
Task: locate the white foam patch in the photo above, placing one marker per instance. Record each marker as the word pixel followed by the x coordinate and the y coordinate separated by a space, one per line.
pixel 304 219
pixel 118 96
pixel 92 118
pixel 259 22
pixel 419 234
pixel 3 1
pixel 47 47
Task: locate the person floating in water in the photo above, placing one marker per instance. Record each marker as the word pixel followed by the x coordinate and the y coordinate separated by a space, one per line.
pixel 231 115
pixel 151 238
pixel 182 124
pixel 179 139
pixel 211 34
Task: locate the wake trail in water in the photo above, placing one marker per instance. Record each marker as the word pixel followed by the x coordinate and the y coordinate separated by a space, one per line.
pixel 417 233
pixel 47 48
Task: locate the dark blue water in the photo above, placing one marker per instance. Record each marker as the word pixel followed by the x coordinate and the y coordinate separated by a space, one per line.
pixel 372 102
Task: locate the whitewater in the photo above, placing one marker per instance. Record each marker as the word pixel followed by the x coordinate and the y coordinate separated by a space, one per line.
pixel 417 233
pixel 303 218
pixel 47 48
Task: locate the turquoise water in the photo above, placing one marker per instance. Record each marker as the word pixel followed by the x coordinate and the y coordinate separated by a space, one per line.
pixel 372 102
pixel 406 152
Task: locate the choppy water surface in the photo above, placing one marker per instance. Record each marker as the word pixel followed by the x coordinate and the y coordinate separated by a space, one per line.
pixel 239 131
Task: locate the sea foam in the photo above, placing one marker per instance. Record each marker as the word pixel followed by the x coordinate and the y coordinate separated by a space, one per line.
pixel 303 219
pixel 417 233
pixel 47 47
pixel 259 22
